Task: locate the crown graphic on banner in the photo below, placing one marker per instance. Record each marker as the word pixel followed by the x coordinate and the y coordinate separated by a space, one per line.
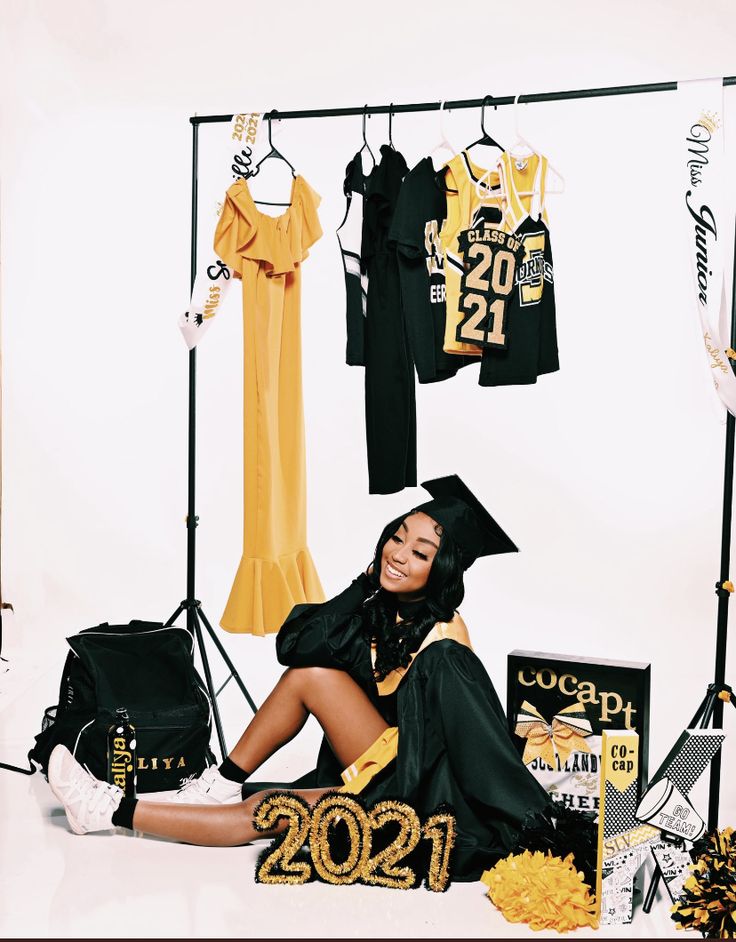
pixel 710 120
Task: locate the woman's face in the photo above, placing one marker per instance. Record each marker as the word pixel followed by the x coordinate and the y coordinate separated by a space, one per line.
pixel 408 555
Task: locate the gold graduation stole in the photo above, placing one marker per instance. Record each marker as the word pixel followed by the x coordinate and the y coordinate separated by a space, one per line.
pixel 454 629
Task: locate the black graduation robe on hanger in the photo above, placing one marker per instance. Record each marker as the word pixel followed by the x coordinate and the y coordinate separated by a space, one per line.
pixel 454 745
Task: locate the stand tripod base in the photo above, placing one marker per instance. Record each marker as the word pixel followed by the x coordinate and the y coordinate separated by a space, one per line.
pixel 196 618
pixel 702 719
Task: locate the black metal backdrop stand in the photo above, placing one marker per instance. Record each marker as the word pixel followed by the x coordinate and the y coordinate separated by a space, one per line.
pixel 719 692
pixel 196 617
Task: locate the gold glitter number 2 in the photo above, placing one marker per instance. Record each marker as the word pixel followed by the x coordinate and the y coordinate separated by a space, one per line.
pixel 285 846
pixel 381 869
pixel 277 864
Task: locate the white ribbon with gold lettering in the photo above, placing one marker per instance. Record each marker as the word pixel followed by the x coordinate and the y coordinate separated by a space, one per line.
pixel 701 105
pixel 213 276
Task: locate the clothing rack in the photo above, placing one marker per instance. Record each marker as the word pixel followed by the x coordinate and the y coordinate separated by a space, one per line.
pixel 723 586
pixel 459 103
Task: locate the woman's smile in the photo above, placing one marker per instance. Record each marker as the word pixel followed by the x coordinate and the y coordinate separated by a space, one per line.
pixel 393 573
pixel 408 554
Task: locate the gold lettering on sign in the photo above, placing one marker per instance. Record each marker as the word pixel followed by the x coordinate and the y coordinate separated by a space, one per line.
pixel 612 703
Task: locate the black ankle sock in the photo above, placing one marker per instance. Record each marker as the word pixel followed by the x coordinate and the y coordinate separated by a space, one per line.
pixel 232 772
pixel 123 815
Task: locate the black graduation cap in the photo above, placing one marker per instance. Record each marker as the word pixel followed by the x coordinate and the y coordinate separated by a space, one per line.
pixel 458 510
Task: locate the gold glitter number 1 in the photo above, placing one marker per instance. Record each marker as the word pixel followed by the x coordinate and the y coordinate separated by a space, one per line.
pixel 441 830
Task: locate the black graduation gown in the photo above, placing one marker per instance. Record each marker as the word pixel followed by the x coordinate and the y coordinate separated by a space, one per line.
pixel 454 745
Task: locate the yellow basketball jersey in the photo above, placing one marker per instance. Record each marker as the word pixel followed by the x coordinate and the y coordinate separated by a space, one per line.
pixel 475 189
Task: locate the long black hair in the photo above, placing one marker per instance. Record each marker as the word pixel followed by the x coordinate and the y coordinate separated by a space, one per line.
pixel 444 591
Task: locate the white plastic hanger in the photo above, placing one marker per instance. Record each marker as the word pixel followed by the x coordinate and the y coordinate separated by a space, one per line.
pixel 443 144
pixel 521 149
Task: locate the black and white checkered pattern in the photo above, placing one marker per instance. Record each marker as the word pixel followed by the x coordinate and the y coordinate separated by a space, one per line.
pixel 620 808
pixel 693 758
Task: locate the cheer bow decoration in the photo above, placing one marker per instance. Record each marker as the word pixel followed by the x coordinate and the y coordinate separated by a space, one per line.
pixel 564 735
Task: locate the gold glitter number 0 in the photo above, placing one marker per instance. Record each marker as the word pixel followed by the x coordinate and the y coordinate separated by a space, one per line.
pixel 381 870
pixel 327 812
pixel 279 866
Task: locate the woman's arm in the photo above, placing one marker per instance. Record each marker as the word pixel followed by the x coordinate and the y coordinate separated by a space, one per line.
pixel 326 635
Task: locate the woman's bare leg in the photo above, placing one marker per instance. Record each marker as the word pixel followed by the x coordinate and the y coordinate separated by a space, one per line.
pixel 348 718
pixel 210 825
pixel 343 710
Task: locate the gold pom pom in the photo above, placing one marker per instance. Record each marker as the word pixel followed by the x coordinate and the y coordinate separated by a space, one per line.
pixel 543 891
pixel 708 902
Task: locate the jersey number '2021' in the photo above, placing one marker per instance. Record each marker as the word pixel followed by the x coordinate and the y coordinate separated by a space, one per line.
pixel 484 321
pixel 491 257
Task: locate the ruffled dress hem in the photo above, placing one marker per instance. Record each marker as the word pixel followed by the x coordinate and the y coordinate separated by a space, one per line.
pixel 266 590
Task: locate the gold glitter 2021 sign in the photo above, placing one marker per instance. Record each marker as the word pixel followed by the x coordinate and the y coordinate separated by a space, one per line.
pixel 313 846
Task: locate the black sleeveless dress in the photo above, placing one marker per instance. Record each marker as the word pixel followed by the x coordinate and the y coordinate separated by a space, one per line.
pixel 390 408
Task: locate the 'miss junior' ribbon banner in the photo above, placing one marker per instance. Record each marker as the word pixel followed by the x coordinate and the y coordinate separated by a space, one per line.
pixel 214 278
pixel 705 213
pixel 564 735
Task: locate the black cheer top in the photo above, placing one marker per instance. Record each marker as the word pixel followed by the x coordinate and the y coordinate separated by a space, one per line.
pixel 454 746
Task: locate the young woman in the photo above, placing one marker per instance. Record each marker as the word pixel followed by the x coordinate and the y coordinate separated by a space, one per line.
pixel 407 708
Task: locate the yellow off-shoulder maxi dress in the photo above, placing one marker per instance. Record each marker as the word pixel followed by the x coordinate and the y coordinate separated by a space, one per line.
pixel 276 570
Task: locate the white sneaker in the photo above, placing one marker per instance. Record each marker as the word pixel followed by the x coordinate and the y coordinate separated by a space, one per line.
pixel 88 802
pixel 211 788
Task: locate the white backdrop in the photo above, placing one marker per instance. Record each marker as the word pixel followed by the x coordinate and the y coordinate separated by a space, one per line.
pixel 607 474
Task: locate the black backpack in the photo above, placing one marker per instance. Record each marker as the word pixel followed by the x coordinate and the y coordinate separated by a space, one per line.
pixel 148 669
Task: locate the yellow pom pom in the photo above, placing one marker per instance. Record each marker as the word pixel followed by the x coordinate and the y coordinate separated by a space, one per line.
pixel 544 891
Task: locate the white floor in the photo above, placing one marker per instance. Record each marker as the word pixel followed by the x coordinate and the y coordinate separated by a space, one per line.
pixel 54 884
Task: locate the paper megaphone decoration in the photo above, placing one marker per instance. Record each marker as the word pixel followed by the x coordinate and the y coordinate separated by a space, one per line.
pixel 665 807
